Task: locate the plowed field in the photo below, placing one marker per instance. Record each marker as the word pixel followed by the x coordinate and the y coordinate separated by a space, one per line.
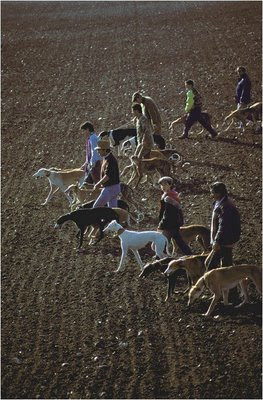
pixel 71 327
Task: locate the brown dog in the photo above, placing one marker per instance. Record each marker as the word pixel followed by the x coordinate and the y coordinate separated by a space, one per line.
pixel 200 233
pixel 220 280
pixel 194 267
pixel 148 166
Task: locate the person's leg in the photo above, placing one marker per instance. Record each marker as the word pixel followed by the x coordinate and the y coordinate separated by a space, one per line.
pixel 103 198
pixel 214 261
pixel 175 234
pixel 206 125
pixel 114 193
pixel 190 120
pixel 227 256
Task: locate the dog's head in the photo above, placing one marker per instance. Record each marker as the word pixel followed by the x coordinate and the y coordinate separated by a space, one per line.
pixel 61 220
pixel 195 293
pixel 113 226
pixel 174 266
pixel 41 173
pixel 103 134
pixel 151 267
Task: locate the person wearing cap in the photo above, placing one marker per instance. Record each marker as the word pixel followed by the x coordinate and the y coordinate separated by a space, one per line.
pixel 193 109
pixel 171 215
pixel 92 164
pixel 109 179
pixel 150 110
pixel 144 133
pixel 225 227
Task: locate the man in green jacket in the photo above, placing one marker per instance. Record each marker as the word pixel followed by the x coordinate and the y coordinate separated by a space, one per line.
pixel 193 108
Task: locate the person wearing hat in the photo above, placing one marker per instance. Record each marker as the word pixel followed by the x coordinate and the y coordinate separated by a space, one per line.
pixel 171 215
pixel 92 164
pixel 150 110
pixel 109 177
pixel 144 133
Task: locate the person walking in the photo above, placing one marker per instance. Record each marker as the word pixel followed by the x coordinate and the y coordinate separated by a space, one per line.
pixel 225 227
pixel 110 179
pixel 171 215
pixel 243 88
pixel 92 163
pixel 144 133
pixel 150 110
pixel 193 108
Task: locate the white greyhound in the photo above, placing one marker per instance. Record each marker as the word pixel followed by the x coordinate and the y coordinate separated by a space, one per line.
pixel 137 240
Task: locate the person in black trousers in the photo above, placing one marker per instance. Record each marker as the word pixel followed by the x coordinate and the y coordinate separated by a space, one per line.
pixel 193 108
pixel 225 227
pixel 171 216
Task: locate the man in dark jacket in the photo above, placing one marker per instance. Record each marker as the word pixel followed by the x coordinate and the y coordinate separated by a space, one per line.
pixel 225 227
pixel 243 88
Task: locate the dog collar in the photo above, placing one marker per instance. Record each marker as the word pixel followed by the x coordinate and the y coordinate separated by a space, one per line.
pixel 120 231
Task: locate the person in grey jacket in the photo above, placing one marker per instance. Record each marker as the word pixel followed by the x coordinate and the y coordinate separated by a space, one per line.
pixel 225 227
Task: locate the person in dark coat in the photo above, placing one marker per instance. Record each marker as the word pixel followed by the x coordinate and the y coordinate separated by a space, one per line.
pixel 243 89
pixel 171 215
pixel 225 227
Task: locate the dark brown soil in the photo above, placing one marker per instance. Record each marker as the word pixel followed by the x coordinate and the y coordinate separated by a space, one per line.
pixel 71 328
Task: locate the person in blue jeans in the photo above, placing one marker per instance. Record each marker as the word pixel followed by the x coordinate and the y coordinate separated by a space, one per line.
pixel 193 109
pixel 225 227
pixel 110 178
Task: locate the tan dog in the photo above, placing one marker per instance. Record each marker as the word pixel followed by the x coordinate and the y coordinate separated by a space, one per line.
pixel 220 280
pixel 254 113
pixel 60 179
pixel 194 266
pixel 200 233
pixel 148 166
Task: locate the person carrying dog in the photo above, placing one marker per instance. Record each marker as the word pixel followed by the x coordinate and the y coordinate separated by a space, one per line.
pixel 92 164
pixel 193 108
pixel 225 227
pixel 144 133
pixel 171 215
pixel 243 88
pixel 110 179
pixel 150 110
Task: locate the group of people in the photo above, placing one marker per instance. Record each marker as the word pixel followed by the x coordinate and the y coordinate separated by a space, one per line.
pixel 102 170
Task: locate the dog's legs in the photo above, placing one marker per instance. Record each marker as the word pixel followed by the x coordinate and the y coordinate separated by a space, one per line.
pixel 138 258
pixel 213 303
pixel 244 286
pixel 81 238
pixel 68 197
pixel 123 255
pixel 225 296
pixel 51 193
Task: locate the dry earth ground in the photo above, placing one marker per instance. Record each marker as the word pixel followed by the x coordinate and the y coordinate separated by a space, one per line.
pixel 71 328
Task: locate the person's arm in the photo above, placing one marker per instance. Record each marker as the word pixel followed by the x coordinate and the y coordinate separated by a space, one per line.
pixel 104 179
pixel 189 101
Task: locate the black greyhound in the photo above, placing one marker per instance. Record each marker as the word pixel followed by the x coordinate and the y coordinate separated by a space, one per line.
pixel 99 216
pixel 119 135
